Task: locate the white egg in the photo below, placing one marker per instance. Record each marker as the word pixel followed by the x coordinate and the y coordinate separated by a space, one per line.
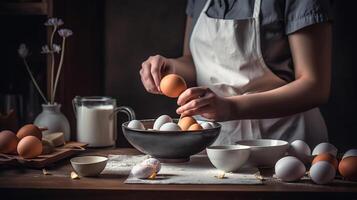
pixel 301 150
pixel 207 125
pixel 289 168
pixel 136 124
pixel 153 162
pixel 170 127
pixel 349 153
pixel 163 119
pixel 322 172
pixel 142 171
pixel 324 148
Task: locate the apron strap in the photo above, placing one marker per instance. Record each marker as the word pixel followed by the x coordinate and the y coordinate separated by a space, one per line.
pixel 256 11
pixel 206 6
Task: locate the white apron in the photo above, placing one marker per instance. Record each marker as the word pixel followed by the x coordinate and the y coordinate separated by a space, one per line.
pixel 228 60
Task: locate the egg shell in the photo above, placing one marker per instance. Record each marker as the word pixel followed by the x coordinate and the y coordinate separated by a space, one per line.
pixel 29 129
pixel 300 150
pixel 8 142
pixel 351 152
pixel 195 127
pixel 154 163
pixel 324 148
pixel 186 122
pixel 207 125
pixel 163 119
pixel 170 127
pixel 172 85
pixel 326 157
pixel 289 169
pixel 322 172
pixel 348 168
pixel 142 171
pixel 136 124
pixel 29 147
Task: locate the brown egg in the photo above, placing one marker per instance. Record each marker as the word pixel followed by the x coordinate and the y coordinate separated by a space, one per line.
pixel 348 168
pixel 326 157
pixel 29 129
pixel 29 147
pixel 8 142
pixel 195 127
pixel 185 122
pixel 172 85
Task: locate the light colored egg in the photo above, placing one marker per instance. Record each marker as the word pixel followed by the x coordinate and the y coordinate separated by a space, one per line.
pixel 324 148
pixel 289 169
pixel 185 122
pixel 322 172
pixel 142 171
pixel 170 127
pixel 136 124
pixel 326 157
pixel 300 150
pixel 351 152
pixel 8 142
pixel 29 147
pixel 153 162
pixel 207 125
pixel 29 129
pixel 195 127
pixel 163 119
pixel 348 168
pixel 172 85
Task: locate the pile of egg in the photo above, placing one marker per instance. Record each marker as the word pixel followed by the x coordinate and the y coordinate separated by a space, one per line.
pixel 146 169
pixel 27 142
pixel 165 123
pixel 323 163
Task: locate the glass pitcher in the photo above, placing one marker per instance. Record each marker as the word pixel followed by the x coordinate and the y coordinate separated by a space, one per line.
pixel 96 120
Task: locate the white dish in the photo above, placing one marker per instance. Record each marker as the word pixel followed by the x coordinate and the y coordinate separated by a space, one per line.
pixel 89 165
pixel 228 158
pixel 265 152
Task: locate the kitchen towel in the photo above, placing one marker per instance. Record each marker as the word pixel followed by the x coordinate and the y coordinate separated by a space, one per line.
pixel 198 170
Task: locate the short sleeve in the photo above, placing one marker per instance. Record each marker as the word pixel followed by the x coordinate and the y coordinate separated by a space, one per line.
pixel 190 7
pixel 302 13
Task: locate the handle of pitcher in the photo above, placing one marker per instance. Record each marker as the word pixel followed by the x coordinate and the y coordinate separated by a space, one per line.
pixel 74 101
pixel 127 110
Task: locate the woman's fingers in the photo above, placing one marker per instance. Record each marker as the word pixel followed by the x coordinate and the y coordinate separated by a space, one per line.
pixel 196 103
pixel 205 110
pixel 191 93
pixel 156 64
pixel 147 79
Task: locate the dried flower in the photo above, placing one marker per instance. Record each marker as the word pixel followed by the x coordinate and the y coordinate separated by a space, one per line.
pixel 56 48
pixel 23 51
pixel 65 32
pixel 45 49
pixel 54 22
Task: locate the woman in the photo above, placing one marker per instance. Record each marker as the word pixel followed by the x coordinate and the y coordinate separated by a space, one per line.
pixel 260 67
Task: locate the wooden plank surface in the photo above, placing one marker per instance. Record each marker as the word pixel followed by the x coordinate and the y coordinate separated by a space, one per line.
pixel 18 182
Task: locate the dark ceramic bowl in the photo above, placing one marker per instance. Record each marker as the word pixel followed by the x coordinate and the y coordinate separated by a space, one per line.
pixel 170 146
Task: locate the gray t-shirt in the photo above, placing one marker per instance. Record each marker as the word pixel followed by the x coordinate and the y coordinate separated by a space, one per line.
pixel 278 19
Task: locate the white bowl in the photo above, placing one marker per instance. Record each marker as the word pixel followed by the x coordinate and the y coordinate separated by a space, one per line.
pixel 228 158
pixel 89 165
pixel 265 152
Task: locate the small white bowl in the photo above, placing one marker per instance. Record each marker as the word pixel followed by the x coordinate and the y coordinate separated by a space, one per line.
pixel 265 152
pixel 228 158
pixel 89 165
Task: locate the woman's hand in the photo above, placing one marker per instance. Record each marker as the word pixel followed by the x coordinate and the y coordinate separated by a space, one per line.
pixel 203 101
pixel 152 70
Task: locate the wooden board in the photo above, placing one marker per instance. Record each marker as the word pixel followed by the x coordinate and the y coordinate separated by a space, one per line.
pixel 67 150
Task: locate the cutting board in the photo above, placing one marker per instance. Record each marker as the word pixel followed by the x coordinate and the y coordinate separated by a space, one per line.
pixel 67 150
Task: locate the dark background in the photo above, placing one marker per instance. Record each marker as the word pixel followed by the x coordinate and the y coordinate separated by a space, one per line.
pixel 113 37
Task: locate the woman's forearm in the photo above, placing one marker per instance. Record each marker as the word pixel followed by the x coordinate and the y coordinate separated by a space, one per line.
pixel 185 67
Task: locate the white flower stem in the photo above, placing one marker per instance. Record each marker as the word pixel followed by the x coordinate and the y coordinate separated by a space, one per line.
pixel 52 63
pixel 59 67
pixel 34 81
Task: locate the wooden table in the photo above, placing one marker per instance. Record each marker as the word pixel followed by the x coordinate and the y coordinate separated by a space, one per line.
pixel 17 182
